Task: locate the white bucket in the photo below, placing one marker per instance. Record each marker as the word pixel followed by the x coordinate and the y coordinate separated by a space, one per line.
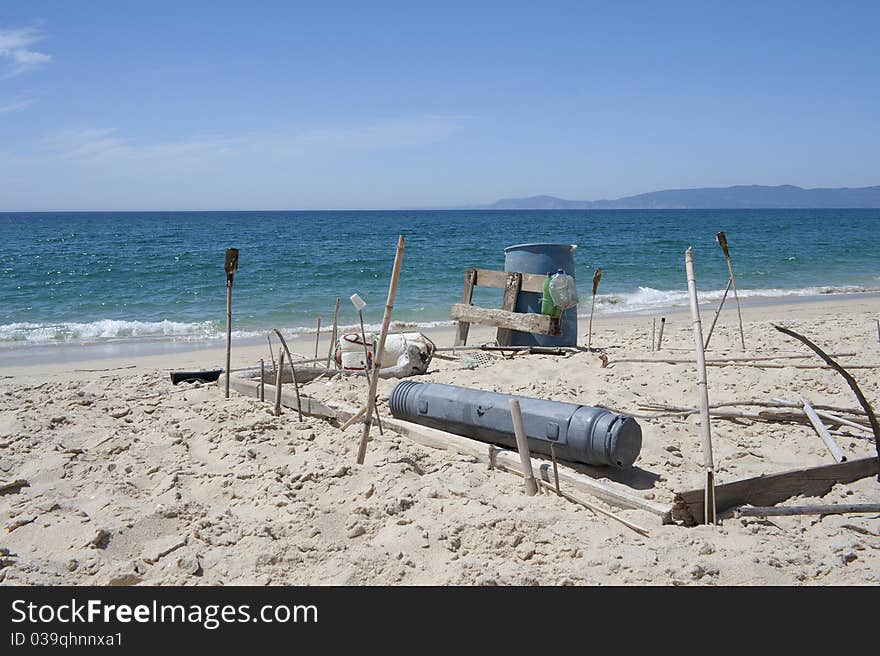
pixel 350 353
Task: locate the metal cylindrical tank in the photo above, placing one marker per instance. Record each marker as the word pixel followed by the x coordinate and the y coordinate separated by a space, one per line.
pixel 579 433
pixel 542 259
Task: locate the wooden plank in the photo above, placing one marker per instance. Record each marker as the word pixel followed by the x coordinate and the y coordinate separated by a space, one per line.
pixel 250 387
pixel 787 511
pixel 511 294
pixel 773 488
pixel 470 279
pixel 614 494
pixel 526 322
pixel 10 487
pixel 531 282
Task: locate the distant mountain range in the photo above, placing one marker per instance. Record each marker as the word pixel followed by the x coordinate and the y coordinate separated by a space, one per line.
pixel 738 197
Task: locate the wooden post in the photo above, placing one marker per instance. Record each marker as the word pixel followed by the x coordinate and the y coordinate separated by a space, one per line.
pixel 377 355
pixel 705 433
pixel 359 304
pixel 597 277
pixel 660 336
pixel 271 354
pixel 522 445
pixel 230 264
pixel 278 382
pixel 555 468
pixel 512 287
pixel 262 380
pixel 717 312
pixel 822 430
pixel 470 279
pixel 317 337
pixel 722 241
pixel 878 329
pixel 334 335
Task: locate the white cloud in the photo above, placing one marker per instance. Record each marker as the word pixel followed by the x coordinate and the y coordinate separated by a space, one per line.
pixel 16 104
pixel 326 165
pixel 15 48
pixel 78 144
pixel 295 143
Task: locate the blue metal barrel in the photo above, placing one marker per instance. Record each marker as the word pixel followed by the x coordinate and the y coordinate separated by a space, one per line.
pixel 542 259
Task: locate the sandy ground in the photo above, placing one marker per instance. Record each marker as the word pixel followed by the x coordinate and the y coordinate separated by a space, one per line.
pixel 132 480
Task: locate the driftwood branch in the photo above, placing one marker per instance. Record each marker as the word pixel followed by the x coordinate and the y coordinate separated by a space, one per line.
pixel 719 410
pixel 292 370
pixel 854 386
pixel 775 403
pixel 596 509
pixel 822 430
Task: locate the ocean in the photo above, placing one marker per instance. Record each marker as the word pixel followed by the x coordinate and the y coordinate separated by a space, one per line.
pixel 85 277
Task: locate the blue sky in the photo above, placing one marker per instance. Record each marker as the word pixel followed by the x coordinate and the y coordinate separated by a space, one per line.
pixel 286 105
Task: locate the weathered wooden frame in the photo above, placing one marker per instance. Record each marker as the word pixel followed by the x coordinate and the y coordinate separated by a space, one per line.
pixel 506 320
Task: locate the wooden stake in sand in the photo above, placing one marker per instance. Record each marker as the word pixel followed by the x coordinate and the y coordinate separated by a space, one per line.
pixel 262 380
pixel 660 336
pixel 705 434
pixel 317 337
pixel 718 312
pixel 334 334
pixel 231 266
pixel 359 305
pixel 278 383
pixel 822 430
pixel 597 278
pixel 271 353
pixel 722 241
pixel 555 468
pixel 380 348
pixel 522 445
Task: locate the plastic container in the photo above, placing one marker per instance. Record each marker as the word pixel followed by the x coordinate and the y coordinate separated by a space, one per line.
pixel 542 259
pixel 350 354
pixel 563 290
pixel 579 433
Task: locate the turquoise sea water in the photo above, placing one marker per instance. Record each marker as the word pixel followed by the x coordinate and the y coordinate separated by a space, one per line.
pixel 87 277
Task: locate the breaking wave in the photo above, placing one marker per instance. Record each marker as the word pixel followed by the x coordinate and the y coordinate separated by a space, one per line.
pixel 105 329
pixel 643 300
pixel 648 298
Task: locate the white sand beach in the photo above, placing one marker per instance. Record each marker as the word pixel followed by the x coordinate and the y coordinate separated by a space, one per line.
pixel 131 480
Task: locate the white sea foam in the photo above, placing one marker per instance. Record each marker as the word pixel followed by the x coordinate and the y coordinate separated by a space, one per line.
pixel 104 329
pixel 648 298
pixel 644 300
